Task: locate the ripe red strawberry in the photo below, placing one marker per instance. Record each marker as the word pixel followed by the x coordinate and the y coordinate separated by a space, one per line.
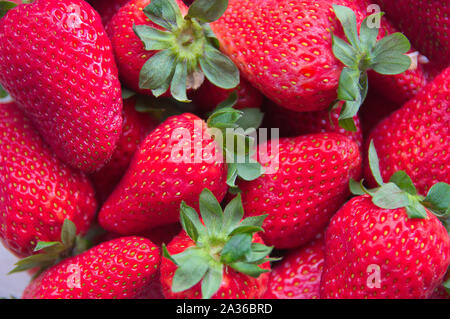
pixel 293 124
pixel 416 137
pixel 175 162
pixel 208 96
pixel 160 49
pixel 220 257
pixel 107 8
pixel 135 128
pixel 37 191
pixel 298 275
pixel 425 22
pixel 286 50
pixel 123 268
pixel 387 243
pixel 72 94
pixel 304 188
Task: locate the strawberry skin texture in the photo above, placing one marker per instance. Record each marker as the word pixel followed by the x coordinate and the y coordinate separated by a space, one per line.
pixel 128 49
pixel 415 138
pixel 307 189
pixel 135 128
pixel 413 254
pixel 37 191
pixel 425 23
pixel 208 96
pixel 293 124
pixel 150 193
pixel 123 268
pixel 235 285
pixel 283 48
pixel 56 62
pixel 298 274
pixel 107 8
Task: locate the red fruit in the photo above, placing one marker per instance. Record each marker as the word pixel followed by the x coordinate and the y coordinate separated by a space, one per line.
pixel 123 268
pixel 208 96
pixel 158 179
pixel 56 62
pixel 293 124
pixel 107 8
pixel 37 191
pixel 411 255
pixel 303 190
pixel 128 49
pixel 135 128
pixel 298 275
pixel 283 48
pixel 415 138
pixel 425 23
pixel 375 109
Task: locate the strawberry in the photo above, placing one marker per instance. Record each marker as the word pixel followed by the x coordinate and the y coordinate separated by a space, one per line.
pixel 425 22
pixel 107 8
pixel 293 124
pixel 61 72
pixel 208 96
pixel 37 191
pixel 286 50
pixel 175 162
pixel 387 243
pixel 162 47
pixel 218 257
pixel 135 128
pixel 298 275
pixel 416 137
pixel 124 268
pixel 305 183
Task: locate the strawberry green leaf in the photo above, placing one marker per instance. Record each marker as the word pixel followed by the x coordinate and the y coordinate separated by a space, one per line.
pixel 178 84
pixel 167 255
pixel 34 261
pixel 374 164
pixel 127 93
pixel 47 244
pixel 233 213
pixel 5 6
pixel 438 198
pixel 218 68
pixel 164 13
pixel 369 34
pixel 344 52
pixel 192 266
pixel 249 171
pixel 246 230
pixel 348 21
pixel 212 281
pixel 348 84
pixel 254 221
pixel 251 118
pixel 395 42
pixel 157 72
pixel 404 182
pixel 236 248
pixel 389 196
pixel 211 211
pixel 3 93
pixel 416 210
pixel 229 102
pixel 356 188
pixel 258 253
pixel 209 34
pixel 152 38
pixel 251 270
pixel 207 10
pixel 68 233
pixel 232 174
pixel 390 64
pixel 191 222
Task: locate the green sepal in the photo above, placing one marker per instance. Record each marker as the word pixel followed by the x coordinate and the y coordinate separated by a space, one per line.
pixel 210 211
pixel 438 199
pixel 236 248
pixel 127 93
pixel 178 84
pixel 193 264
pixel 251 118
pixel 152 38
pixel 390 196
pixel 207 10
pixel 361 54
pixel 212 281
pixel 157 72
pixel 374 163
pixel 218 68
pixel 232 215
pixel 249 269
pixel 404 182
pixel 5 6
pixel 3 93
pixel 164 13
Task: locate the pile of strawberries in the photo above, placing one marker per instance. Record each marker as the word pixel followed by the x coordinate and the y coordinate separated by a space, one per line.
pixel 114 182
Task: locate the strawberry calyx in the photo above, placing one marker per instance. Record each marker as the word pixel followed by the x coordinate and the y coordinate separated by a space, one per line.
pixel 5 6
pixel 187 49
pixel 222 239
pixel 236 137
pixel 400 192
pixel 51 253
pixel 362 53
